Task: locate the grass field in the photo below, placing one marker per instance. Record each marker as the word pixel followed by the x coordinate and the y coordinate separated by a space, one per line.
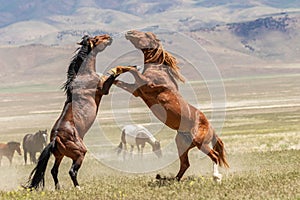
pixel 261 133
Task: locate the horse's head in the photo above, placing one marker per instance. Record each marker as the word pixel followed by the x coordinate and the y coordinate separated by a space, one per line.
pixel 97 43
pixel 42 137
pixel 156 149
pixel 153 51
pixel 143 40
pixel 15 146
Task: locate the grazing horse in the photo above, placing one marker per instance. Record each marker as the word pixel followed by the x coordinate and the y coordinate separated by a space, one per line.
pixel 158 88
pixel 138 135
pixel 33 143
pixel 84 89
pixel 9 149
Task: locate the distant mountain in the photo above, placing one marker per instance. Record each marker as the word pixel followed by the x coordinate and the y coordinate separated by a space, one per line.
pixel 237 4
pixel 275 37
pixel 234 32
pixel 14 10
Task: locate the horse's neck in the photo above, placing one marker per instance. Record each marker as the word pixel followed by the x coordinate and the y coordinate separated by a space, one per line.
pixel 151 141
pixel 89 65
pixel 154 59
pixel 155 56
pixel 164 78
pixel 150 138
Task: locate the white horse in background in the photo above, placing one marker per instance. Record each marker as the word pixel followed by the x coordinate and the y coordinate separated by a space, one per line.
pixel 138 135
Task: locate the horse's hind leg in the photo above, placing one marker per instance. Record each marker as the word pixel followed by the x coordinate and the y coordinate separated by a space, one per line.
pixel 184 144
pixel 214 156
pixel 74 170
pixel 54 170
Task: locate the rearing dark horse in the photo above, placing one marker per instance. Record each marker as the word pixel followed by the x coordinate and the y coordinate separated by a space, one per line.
pixel 84 90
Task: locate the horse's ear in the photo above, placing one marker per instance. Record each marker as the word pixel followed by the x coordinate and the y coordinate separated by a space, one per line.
pixel 90 42
pixel 84 41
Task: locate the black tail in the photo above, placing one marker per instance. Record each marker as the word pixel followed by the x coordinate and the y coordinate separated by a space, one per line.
pixel 36 177
pixel 119 148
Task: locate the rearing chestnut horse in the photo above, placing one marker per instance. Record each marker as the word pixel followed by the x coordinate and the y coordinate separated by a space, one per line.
pixel 84 89
pixel 158 88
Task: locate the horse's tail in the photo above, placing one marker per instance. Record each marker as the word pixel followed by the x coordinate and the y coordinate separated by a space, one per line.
pixel 36 177
pixel 219 147
pixel 119 148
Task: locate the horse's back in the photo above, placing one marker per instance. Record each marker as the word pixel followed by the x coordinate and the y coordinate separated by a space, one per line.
pixel 2 146
pixel 3 149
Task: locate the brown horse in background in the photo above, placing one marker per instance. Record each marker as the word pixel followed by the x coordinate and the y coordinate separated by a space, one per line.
pixel 158 88
pixel 84 89
pixel 8 150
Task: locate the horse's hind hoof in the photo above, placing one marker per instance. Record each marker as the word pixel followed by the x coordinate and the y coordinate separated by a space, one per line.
pixel 78 187
pixel 217 178
pixel 158 177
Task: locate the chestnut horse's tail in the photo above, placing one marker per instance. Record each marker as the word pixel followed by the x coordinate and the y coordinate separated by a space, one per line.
pixel 219 147
pixel 36 177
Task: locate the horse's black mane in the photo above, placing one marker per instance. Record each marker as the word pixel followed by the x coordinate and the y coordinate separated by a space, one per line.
pixel 77 60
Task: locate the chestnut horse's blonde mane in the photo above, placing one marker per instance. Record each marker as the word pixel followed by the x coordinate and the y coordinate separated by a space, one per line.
pixel 161 56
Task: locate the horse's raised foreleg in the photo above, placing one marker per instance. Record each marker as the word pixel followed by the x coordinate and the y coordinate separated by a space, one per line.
pixel 184 144
pixel 131 88
pixel 140 80
pixel 54 170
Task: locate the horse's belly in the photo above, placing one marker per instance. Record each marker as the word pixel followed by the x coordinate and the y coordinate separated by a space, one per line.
pixel 130 139
pixel 173 112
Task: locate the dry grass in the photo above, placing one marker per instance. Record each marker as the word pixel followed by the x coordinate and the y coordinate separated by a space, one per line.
pixel 262 146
